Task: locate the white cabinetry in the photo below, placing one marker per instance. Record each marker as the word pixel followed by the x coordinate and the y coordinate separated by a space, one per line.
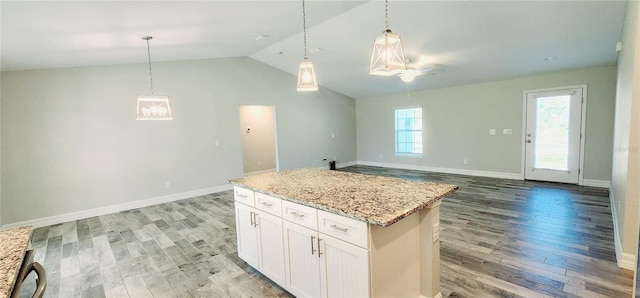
pixel 259 233
pixel 313 253
pixel 320 265
pixel 302 261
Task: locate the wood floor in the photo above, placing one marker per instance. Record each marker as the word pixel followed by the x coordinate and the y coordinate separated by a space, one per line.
pixel 499 238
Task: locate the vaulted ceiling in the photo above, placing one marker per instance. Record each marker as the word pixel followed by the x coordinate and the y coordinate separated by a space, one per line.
pixel 453 42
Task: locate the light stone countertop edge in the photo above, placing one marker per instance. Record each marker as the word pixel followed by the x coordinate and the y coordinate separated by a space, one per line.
pixel 393 218
pixel 14 245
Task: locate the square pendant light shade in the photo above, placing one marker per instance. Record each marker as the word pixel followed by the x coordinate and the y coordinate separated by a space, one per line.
pixel 307 76
pixel 153 107
pixel 388 56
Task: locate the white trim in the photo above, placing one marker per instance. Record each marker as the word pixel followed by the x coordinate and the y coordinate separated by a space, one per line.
pixel 596 183
pixel 56 219
pixel 624 260
pixel 341 165
pixel 583 126
pixel 346 164
pixel 260 172
pixel 514 176
pixel 439 295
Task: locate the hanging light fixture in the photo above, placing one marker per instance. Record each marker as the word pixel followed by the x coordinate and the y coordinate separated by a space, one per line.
pixel 388 57
pixel 153 107
pixel 306 74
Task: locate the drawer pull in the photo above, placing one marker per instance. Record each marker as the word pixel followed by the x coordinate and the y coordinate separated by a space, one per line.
pixel 296 214
pixel 266 203
pixel 241 195
pixel 313 251
pixel 339 228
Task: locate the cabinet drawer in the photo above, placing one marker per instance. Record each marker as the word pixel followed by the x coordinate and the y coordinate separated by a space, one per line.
pixel 268 204
pixel 343 228
pixel 303 215
pixel 243 195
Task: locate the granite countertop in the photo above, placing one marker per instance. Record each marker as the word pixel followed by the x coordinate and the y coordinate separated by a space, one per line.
pixel 374 199
pixel 14 243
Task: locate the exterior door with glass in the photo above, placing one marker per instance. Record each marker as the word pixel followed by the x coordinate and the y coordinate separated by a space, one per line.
pixel 553 135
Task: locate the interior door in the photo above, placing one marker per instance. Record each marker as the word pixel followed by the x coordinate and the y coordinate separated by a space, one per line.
pixel 552 135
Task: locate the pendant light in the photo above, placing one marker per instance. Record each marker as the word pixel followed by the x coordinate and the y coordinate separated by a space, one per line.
pixel 153 107
pixel 388 57
pixel 306 74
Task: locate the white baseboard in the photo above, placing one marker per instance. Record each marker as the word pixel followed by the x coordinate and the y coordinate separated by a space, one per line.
pixel 341 165
pixel 56 219
pixel 514 176
pixel 596 183
pixel 260 172
pixel 439 295
pixel 346 164
pixel 624 260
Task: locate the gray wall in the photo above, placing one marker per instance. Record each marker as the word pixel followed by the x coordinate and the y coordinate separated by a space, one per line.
pixel 457 122
pixel 259 142
pixel 625 189
pixel 71 142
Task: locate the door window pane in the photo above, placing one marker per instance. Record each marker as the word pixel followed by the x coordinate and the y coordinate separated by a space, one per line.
pixel 552 133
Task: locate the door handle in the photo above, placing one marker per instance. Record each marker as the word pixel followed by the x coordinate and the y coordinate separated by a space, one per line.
pixel 313 250
pixel 528 141
pixel 319 252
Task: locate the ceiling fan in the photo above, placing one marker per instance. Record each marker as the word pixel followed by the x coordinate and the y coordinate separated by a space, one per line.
pixel 415 69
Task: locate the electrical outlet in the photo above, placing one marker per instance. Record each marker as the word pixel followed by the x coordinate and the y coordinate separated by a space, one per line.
pixel 259 163
pixel 167 184
pixel 217 142
pixel 465 161
pixel 492 131
pixel 435 236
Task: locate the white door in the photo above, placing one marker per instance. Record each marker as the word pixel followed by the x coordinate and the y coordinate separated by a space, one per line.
pixel 271 247
pixel 301 260
pixel 552 135
pixel 247 234
pixel 344 267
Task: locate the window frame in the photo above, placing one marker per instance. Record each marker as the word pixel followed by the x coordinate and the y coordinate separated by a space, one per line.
pixel 396 135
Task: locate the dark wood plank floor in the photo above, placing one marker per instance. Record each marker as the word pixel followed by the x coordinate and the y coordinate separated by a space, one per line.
pixel 510 238
pixel 499 238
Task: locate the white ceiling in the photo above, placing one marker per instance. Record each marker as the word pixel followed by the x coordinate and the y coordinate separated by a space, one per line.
pixel 463 41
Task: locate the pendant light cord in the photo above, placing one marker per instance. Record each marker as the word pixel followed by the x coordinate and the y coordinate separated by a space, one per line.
pixel 150 73
pixel 386 14
pixel 304 29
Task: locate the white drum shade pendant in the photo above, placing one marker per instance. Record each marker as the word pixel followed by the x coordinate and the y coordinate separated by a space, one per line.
pixel 306 73
pixel 152 107
pixel 388 56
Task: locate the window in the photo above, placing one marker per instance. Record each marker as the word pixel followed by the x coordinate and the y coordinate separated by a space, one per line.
pixel 409 132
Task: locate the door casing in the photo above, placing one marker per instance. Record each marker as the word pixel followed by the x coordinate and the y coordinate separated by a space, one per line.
pixel 582 127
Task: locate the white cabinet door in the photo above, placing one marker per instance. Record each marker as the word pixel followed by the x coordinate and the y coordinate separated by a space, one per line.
pixel 302 261
pixel 271 246
pixel 247 234
pixel 344 268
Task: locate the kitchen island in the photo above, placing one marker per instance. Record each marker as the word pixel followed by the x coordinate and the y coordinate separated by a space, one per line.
pixel 330 233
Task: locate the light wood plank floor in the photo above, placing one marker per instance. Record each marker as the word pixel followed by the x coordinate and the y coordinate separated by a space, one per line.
pixel 499 238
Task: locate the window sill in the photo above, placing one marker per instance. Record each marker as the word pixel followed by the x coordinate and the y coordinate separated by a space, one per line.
pixel 410 155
